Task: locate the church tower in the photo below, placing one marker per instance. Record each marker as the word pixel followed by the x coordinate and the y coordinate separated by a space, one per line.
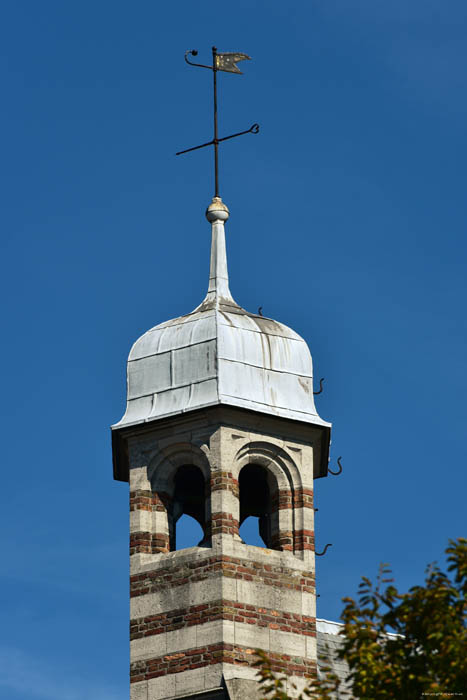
pixel 220 424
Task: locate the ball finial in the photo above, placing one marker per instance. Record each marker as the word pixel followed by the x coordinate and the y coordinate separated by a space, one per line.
pixel 217 211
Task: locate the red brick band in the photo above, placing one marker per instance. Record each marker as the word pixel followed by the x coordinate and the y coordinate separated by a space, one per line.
pixel 140 500
pixel 149 543
pixel 181 618
pixel 224 481
pixel 282 541
pixel 191 571
pixel 223 523
pixel 305 539
pixel 147 500
pixel 285 499
pixel 301 498
pixel 214 654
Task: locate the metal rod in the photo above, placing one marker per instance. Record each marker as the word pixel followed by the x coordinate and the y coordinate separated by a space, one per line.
pixel 229 66
pixel 254 129
pixel 193 52
pixel 195 148
pixel 216 142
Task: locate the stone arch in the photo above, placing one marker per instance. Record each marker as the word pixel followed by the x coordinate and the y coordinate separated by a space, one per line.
pixel 164 464
pixel 277 518
pixel 180 476
pixel 272 457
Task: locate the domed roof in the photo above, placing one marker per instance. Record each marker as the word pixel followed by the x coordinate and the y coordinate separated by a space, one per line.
pixel 219 354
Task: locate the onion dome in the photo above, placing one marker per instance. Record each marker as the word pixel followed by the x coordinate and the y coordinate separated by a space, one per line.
pixel 219 354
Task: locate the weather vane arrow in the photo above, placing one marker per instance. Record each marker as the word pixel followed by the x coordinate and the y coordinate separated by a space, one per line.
pixel 226 62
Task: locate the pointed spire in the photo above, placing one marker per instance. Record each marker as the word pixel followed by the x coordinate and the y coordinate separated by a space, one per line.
pixel 218 289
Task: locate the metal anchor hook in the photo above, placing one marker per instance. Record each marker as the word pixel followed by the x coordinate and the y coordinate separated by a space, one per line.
pixel 320 554
pixel 315 393
pixel 340 468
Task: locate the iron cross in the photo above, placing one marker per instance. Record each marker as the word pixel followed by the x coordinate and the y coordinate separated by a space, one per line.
pixel 226 62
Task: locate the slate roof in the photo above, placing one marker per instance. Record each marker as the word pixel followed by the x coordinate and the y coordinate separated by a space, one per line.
pixel 328 642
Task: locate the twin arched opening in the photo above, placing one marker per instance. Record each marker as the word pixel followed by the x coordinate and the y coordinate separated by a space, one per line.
pixel 189 509
pixel 191 505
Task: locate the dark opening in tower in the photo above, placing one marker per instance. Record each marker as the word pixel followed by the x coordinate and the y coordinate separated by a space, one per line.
pixel 189 499
pixel 255 500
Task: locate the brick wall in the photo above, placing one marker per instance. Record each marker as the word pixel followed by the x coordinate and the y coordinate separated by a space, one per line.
pixel 199 614
pixel 234 611
pixel 198 657
pixel 240 569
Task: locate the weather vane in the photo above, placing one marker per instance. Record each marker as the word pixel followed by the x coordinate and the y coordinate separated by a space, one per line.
pixel 226 62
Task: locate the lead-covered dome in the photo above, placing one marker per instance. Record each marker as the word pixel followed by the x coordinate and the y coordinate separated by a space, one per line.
pixel 219 354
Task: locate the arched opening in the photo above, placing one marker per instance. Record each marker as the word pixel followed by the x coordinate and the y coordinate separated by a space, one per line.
pixel 255 500
pixel 188 499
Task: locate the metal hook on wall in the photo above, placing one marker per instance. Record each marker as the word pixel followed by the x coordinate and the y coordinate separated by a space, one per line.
pixel 320 554
pixel 315 393
pixel 340 468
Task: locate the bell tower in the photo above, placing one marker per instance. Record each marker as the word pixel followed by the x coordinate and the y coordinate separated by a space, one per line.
pixel 220 424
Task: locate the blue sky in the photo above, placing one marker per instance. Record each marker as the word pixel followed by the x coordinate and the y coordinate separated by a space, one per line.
pixel 348 223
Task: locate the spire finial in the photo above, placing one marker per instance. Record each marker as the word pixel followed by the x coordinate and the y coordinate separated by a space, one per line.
pixel 217 213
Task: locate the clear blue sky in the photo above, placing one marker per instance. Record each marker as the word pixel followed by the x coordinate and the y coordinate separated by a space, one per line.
pixel 348 223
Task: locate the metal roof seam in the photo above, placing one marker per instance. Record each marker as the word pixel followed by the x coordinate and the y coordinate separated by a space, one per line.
pixel 260 332
pixel 178 347
pixel 268 369
pixel 285 408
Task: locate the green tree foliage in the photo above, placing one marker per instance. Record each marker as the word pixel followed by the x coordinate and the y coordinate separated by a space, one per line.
pixel 398 645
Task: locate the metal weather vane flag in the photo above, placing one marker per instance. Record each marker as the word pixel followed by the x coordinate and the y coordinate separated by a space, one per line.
pixel 226 62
